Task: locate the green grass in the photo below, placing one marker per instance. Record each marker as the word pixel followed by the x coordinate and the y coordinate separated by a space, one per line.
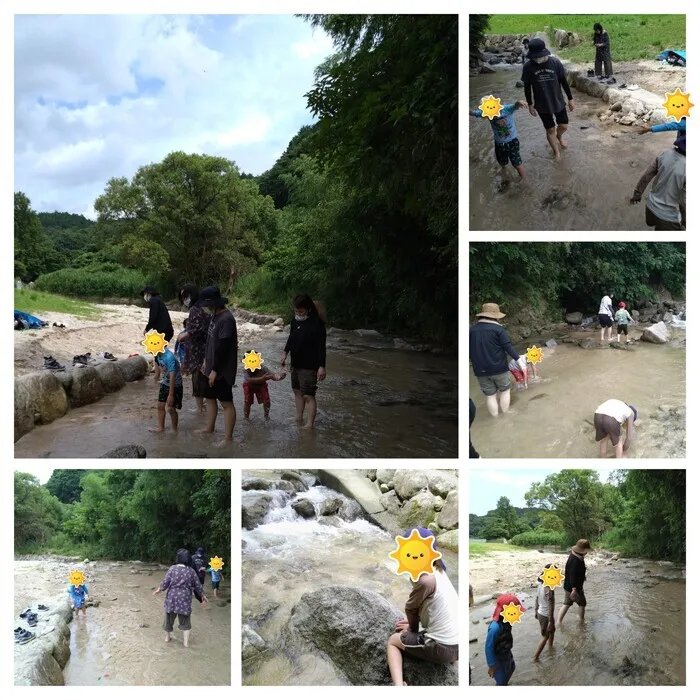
pixel 34 302
pixel 260 292
pixel 632 37
pixel 483 549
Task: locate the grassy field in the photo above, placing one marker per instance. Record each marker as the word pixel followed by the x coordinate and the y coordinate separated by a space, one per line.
pixel 33 302
pixel 483 549
pixel 631 36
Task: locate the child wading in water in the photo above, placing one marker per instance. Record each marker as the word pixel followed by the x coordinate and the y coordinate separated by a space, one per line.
pixel 505 136
pixel 430 630
pixel 520 369
pixel 623 319
pixel 170 393
pixel 255 386
pixel 78 595
pixel 216 578
pixel 544 612
pixel 499 642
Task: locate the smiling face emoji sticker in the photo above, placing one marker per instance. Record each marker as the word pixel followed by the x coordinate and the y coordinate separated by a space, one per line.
pixel 252 360
pixel 76 578
pixel 415 555
pixel 511 613
pixel 534 355
pixel 677 104
pixel 216 563
pixel 154 342
pixel 491 107
pixel 552 577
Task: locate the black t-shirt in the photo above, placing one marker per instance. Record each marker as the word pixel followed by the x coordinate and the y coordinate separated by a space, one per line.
pixel 307 343
pixel 159 317
pixel 546 81
pixel 574 573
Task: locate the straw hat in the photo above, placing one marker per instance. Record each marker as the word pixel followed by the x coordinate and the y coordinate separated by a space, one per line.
pixel 581 547
pixel 490 311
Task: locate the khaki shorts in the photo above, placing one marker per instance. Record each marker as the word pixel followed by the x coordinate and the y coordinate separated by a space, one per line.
pixel 420 647
pixel 305 380
pixel 497 383
pixel 544 625
pixel 604 426
pixel 183 622
pixel 569 601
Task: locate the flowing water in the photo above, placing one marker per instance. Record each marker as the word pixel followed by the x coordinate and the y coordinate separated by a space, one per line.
pixel 287 556
pixel 554 416
pixel 121 642
pixel 588 190
pixel 633 634
pixel 376 401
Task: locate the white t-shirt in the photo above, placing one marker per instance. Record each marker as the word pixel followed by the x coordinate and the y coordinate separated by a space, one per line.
pixel 606 306
pixel 542 600
pixel 616 409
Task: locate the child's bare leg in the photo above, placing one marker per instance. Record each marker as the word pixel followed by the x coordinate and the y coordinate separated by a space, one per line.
pixel 604 446
pixel 540 646
pixel 521 171
pixel 492 405
pixel 311 413
pixel 161 418
pixel 266 408
pixel 216 593
pixel 174 419
pixel 551 639
pixel 300 405
pixel 395 658
pixel 246 410
pixel 504 400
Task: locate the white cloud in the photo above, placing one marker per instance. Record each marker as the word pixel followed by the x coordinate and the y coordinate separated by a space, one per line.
pixel 97 96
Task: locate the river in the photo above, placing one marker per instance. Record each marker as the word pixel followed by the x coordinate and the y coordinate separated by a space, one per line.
pixel 122 641
pixel 554 416
pixel 633 634
pixel 377 401
pixel 286 556
pixel 588 190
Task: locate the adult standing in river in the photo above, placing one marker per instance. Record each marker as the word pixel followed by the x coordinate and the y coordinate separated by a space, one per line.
pixel 180 582
pixel 489 348
pixel 606 314
pixel 158 314
pixel 220 361
pixel 544 79
pixel 195 336
pixel 603 60
pixel 199 564
pixel 574 577
pixel 307 345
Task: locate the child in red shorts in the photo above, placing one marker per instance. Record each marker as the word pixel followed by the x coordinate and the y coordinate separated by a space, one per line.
pixel 255 386
pixel 520 369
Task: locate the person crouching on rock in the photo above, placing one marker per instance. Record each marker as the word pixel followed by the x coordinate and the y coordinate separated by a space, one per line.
pixel 430 630
pixel 499 642
pixel 609 419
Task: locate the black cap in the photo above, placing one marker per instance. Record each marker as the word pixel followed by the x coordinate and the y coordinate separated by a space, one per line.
pixel 148 290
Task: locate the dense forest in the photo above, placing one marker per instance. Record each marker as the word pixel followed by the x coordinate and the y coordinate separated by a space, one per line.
pixel 359 211
pixel 561 277
pixel 641 512
pixel 124 513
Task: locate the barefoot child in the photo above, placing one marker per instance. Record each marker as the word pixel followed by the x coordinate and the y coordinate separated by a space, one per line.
pixel 544 613
pixel 170 392
pixel 623 319
pixel 499 642
pixel 430 630
pixel 216 578
pixel 608 420
pixel 255 386
pixel 520 369
pixel 505 136
pixel 78 596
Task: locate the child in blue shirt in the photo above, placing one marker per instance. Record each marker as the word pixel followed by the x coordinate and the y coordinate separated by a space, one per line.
pixel 671 125
pixel 78 595
pixel 505 136
pixel 170 392
pixel 216 578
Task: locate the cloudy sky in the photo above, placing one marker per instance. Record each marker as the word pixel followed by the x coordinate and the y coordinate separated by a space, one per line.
pixel 486 487
pixel 97 96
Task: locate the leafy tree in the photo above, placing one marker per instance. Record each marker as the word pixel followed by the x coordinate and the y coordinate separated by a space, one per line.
pixel 65 484
pixel 38 513
pixel 551 522
pixel 507 515
pixel 32 248
pixel 478 24
pixel 495 529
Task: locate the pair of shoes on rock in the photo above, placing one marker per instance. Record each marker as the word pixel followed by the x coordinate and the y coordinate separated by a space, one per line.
pixel 58 325
pixel 82 360
pixel 23 636
pixel 107 356
pixel 591 72
pixel 53 364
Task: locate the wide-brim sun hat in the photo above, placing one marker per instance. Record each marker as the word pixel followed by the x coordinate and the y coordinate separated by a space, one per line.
pixel 211 296
pixel 490 311
pixel 581 547
pixel 537 49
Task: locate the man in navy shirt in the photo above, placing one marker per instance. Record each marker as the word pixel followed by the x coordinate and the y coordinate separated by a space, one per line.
pixel 489 347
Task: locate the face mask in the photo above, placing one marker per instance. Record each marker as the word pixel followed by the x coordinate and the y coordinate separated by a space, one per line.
pixel 147 298
pixel 187 302
pixel 301 317
pixel 541 60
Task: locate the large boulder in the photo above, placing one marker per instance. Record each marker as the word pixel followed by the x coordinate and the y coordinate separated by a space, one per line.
pixel 255 483
pixel 252 644
pixel 408 482
pixel 39 398
pixel 296 479
pixel 441 482
pixel 126 452
pixel 304 507
pixel 390 501
pixel 448 540
pixel 419 511
pixel 133 368
pixel 350 510
pixel 658 333
pixel 448 518
pixel 87 387
pixel 254 507
pixel 111 376
pixel 575 318
pixel 384 476
pixel 351 625
pixel 331 505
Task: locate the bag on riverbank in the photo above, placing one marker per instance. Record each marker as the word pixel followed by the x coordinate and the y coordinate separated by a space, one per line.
pixel 28 321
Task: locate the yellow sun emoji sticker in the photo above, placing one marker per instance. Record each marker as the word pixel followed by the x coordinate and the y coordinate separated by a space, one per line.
pixel 490 107
pixel 551 577
pixel 154 342
pixel 511 613
pixel 415 555
pixel 252 360
pixel 534 355
pixel 76 578
pixel 216 563
pixel 677 104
